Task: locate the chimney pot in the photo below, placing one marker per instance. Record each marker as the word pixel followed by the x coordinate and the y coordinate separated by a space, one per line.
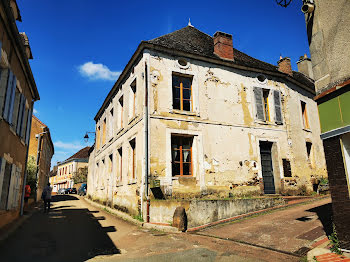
pixel 223 46
pixel 285 66
pixel 305 66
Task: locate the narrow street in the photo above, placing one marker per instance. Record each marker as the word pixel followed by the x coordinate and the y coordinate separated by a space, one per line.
pixel 76 231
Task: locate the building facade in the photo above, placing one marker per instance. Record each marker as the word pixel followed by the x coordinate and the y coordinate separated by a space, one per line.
pixel 41 149
pixel 17 95
pixel 328 34
pixel 66 170
pixel 192 117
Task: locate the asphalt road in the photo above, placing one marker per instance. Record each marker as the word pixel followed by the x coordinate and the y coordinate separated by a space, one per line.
pixel 76 231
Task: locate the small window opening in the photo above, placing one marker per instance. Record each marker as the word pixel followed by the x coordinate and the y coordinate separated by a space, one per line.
pixel 304 115
pixel 182 62
pixel 261 78
pixel 308 149
pixel 120 152
pixel 133 157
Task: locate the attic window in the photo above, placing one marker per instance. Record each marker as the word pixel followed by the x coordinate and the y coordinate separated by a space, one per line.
pixel 183 63
pixel 261 79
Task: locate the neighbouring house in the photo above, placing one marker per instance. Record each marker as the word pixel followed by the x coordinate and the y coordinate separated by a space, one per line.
pixel 41 149
pixel 192 117
pixel 328 33
pixel 68 168
pixel 18 92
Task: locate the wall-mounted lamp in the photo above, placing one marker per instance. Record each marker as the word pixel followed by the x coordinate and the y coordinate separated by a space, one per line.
pixel 86 137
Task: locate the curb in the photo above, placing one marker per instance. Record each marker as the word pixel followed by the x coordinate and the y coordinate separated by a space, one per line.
pixel 194 229
pixel 128 218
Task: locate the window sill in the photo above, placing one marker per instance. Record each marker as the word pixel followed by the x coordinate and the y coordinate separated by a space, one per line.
pixel 119 184
pixel 182 112
pixel 132 119
pixel 120 130
pixel 110 139
pixel 132 182
pixel 307 130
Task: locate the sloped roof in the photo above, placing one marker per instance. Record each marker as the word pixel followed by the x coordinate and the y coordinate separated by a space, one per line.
pixel 191 40
pixel 81 154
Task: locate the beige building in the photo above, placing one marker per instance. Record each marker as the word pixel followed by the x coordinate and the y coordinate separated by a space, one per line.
pixel 41 149
pixel 191 116
pixel 66 170
pixel 18 92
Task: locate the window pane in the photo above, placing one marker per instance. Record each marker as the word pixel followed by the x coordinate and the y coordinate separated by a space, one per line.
pixel 186 81
pixel 187 169
pixel 186 93
pixel 186 155
pixel 187 105
pixel 176 81
pixel 176 169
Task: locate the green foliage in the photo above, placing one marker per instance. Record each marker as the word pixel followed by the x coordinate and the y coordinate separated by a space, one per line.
pixel 323 181
pixel 138 217
pixel 31 173
pixel 335 248
pixel 80 176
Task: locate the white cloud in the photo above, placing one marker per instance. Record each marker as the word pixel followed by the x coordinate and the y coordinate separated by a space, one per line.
pixel 69 146
pixel 35 111
pixel 97 71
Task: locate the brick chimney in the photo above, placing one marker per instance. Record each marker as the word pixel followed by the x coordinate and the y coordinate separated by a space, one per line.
pixel 223 46
pixel 305 66
pixel 285 66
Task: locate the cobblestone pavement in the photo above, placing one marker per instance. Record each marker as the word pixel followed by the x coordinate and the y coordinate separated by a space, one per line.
pixel 76 231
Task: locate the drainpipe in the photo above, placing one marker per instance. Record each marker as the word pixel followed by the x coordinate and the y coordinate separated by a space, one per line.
pixel 146 145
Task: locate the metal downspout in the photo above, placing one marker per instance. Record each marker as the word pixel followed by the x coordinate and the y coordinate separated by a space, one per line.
pixel 146 145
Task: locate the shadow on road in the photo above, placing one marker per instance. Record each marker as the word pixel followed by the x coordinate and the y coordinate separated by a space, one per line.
pixel 65 234
pixel 324 214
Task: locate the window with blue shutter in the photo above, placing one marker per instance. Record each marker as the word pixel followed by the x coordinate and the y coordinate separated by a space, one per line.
pixel 12 101
pixel 29 124
pixel 10 97
pixel 19 125
pixel 3 87
pixel 278 107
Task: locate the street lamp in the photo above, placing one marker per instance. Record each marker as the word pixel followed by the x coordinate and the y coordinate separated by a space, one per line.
pixel 86 137
pixel 283 3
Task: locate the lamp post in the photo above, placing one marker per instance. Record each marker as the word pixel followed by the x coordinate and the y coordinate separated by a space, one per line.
pixel 86 137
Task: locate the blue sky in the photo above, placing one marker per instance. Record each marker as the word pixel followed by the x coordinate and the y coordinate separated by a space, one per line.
pixel 81 46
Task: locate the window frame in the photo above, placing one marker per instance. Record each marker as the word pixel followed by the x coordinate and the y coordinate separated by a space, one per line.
pixel 182 76
pixel 304 115
pixel 181 162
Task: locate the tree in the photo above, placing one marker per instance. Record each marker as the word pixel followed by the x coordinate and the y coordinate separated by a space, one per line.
pixel 31 173
pixel 81 175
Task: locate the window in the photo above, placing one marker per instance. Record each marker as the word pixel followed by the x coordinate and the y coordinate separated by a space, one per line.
pixel 304 115
pixel 181 149
pixel 308 149
pixel 9 97
pixel 133 157
pixel 286 168
pixel 120 153
pixel 121 112
pixel 98 132
pixel 110 163
pixel 266 104
pixel 182 93
pixel 110 124
pixel 104 131
pixel 133 99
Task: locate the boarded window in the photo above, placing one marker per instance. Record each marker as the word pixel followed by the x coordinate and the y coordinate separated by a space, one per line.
pixel 110 124
pixel 104 131
pixel 266 93
pixel 120 153
pixel 182 93
pixel 121 112
pixel 181 149
pixel 98 137
pixel 286 168
pixel 278 108
pixel 133 98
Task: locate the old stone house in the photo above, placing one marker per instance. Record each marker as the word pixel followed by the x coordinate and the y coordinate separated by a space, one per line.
pixel 328 34
pixel 41 150
pixel 64 177
pixel 190 116
pixel 18 92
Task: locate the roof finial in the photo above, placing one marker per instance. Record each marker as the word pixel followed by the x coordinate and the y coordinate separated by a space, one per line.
pixel 281 57
pixel 189 22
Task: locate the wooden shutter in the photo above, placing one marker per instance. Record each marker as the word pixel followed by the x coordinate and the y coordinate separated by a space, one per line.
pixel 11 188
pixel 17 186
pixel 25 118
pixel 258 95
pixel 20 114
pixel 8 96
pixel 12 101
pixel 278 108
pixel 29 124
pixel 2 172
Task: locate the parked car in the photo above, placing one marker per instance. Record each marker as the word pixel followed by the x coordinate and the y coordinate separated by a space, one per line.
pixel 61 191
pixel 82 190
pixel 72 191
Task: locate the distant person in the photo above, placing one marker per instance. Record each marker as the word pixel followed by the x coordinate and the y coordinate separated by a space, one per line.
pixel 27 191
pixel 46 196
